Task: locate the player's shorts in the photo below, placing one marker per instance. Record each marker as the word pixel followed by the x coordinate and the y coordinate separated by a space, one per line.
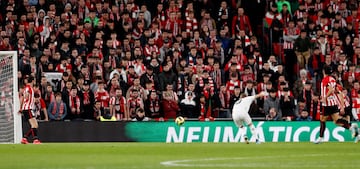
pixel 28 114
pixel 241 118
pixel 329 110
pixel 348 111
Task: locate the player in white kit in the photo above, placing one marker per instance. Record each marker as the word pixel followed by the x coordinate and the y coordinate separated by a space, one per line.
pixel 240 114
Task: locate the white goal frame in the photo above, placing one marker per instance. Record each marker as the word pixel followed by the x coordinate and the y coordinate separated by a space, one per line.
pixel 17 120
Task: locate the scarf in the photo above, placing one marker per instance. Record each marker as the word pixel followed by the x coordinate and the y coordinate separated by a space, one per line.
pixel 183 83
pixel 172 26
pixel 242 24
pixel 59 110
pixel 211 90
pixel 217 78
pixel 154 105
pixel 304 94
pixel 49 97
pixel 86 97
pixel 74 102
pixel 112 60
pixel 225 99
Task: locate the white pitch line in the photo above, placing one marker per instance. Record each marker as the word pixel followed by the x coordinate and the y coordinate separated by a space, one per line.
pixel 185 163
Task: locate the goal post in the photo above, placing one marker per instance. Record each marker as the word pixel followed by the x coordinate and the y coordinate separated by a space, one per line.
pixel 10 119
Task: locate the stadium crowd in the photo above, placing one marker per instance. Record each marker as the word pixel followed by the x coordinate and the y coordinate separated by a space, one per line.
pixel 139 60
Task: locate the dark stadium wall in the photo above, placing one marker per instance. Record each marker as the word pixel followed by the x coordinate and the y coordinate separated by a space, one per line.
pixel 82 131
pixel 191 131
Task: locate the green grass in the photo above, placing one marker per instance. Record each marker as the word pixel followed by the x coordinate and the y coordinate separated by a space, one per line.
pixel 332 155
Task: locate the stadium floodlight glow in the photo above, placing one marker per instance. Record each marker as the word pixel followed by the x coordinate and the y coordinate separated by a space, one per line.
pixel 10 119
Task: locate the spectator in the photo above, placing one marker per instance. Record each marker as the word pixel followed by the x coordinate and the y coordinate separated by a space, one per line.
pixel 273 115
pixel 40 108
pixel 304 116
pixel 167 77
pixel 234 96
pixel 140 115
pixel 102 95
pixel 88 99
pixel 287 106
pixel 118 106
pixel 134 102
pixel 149 75
pixel 74 104
pixel 170 103
pixel 315 107
pixel 241 22
pixel 116 43
pixel 306 94
pixel 188 105
pixel 153 107
pixel 57 109
pixel 272 102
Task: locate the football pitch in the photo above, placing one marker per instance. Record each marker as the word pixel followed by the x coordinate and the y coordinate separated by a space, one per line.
pixel 331 155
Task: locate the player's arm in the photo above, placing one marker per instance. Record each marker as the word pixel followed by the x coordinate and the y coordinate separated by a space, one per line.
pixel 21 103
pixel 341 99
pixel 260 95
pixel 330 91
pixel 24 97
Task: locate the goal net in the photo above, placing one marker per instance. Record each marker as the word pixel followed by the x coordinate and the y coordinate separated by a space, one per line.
pixel 10 120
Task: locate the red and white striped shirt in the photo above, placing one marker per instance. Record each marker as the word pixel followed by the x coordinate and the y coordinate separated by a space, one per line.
pixel 346 98
pixel 290 32
pixel 191 25
pixel 28 102
pixel 118 103
pixel 230 85
pixel 331 100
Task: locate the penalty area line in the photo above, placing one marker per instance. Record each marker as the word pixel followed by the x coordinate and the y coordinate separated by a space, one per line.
pixel 197 162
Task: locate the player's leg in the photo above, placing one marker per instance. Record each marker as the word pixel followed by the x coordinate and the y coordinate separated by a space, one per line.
pixel 355 132
pixel 240 124
pixel 248 121
pixel 340 121
pixel 34 127
pixel 348 114
pixel 323 119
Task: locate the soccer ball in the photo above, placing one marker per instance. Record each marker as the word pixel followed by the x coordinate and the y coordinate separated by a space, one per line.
pixel 179 120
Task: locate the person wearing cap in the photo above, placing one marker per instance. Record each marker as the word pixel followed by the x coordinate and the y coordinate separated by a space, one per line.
pixel 167 76
pixel 330 104
pixel 149 75
pixel 88 100
pixel 302 49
